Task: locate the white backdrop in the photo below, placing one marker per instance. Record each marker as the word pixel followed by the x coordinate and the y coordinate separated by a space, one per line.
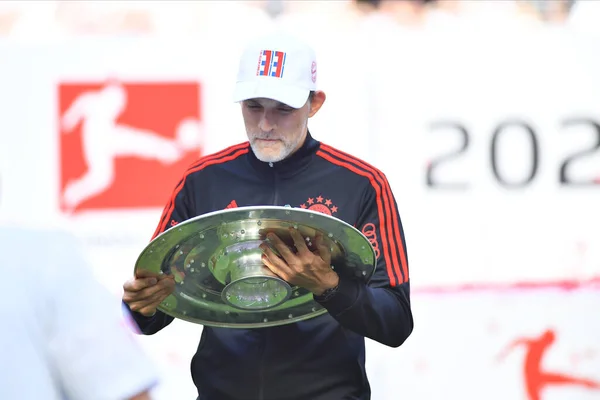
pixel 490 263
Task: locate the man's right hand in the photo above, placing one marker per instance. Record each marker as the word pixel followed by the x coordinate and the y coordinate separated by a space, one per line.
pixel 145 292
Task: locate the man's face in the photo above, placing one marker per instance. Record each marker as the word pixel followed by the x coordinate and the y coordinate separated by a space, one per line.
pixel 275 130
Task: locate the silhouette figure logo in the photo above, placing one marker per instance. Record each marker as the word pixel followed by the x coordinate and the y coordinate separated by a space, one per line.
pixel 121 143
pixel 537 378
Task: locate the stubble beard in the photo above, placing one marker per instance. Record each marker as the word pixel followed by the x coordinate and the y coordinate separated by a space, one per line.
pixel 286 148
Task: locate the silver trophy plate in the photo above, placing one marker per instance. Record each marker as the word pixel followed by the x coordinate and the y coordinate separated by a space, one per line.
pixel 221 281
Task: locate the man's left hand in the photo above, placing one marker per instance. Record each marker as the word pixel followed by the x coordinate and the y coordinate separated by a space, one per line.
pixel 307 269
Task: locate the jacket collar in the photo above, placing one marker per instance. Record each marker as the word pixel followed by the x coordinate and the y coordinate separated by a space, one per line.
pixel 291 165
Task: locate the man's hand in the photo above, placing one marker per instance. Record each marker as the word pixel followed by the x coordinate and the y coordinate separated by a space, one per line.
pixel 145 292
pixel 307 269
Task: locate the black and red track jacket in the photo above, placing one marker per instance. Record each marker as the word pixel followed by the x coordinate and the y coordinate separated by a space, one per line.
pixel 322 358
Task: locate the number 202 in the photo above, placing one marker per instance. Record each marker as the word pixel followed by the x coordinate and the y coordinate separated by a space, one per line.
pixel 460 130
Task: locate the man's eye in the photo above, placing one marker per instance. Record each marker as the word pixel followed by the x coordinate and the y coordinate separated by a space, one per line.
pixel 285 110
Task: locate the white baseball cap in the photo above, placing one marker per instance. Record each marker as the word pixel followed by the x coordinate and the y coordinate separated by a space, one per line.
pixel 279 67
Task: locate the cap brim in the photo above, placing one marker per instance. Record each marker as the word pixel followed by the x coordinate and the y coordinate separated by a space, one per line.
pixel 270 89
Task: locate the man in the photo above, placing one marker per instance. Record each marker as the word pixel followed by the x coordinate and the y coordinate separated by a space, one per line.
pixel 61 339
pixel 322 358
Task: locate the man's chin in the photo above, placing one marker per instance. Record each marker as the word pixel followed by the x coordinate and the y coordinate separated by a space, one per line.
pixel 268 155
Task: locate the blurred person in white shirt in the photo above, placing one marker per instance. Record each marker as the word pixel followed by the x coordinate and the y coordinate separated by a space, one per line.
pixel 63 336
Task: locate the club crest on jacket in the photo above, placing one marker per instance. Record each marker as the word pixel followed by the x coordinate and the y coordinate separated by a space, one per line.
pixel 320 204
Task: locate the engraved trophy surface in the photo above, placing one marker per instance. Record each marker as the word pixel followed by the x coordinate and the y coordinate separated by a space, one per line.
pixel 221 281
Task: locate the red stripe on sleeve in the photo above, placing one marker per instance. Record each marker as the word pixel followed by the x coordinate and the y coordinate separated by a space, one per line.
pixel 225 155
pixel 395 238
pixel 380 210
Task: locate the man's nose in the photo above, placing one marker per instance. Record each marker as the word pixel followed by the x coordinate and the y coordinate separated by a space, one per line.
pixel 266 123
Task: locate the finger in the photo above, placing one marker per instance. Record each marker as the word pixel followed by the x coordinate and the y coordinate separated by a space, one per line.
pixel 159 296
pixel 138 306
pixel 168 284
pixel 273 258
pixel 137 284
pixel 323 250
pixel 275 263
pixel 142 295
pixel 274 268
pixel 146 309
pixel 149 310
pixel 146 274
pixel 148 292
pixel 282 248
pixel 299 241
pixel 151 302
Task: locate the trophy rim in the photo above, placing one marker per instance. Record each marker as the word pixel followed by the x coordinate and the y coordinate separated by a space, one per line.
pixel 316 310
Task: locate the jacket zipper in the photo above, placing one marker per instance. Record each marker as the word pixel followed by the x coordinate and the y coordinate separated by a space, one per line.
pixel 275 186
pixel 261 369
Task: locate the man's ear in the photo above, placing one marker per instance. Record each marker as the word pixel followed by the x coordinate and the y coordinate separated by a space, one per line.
pixel 316 102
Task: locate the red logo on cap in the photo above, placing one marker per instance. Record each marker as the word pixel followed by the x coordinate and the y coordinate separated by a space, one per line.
pixel 313 71
pixel 271 63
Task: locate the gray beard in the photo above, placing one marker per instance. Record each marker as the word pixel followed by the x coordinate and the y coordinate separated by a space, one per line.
pixel 264 158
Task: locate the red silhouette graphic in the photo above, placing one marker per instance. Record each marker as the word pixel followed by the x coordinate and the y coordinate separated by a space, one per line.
pixel 119 141
pixel 536 379
pixel 317 204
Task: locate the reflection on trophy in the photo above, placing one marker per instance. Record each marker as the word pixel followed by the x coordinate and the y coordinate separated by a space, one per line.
pixel 221 280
